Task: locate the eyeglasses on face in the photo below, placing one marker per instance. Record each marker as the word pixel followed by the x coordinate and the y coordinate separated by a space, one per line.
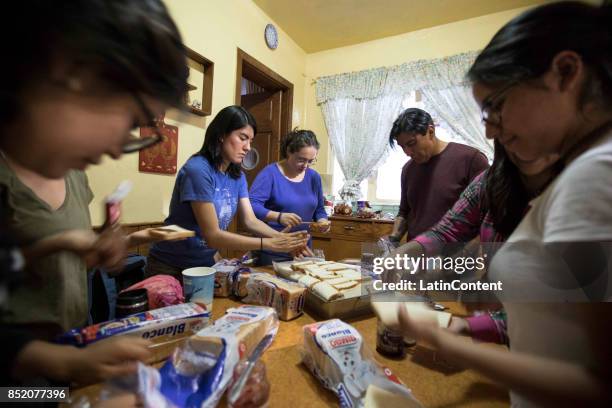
pixel 493 104
pixel 135 144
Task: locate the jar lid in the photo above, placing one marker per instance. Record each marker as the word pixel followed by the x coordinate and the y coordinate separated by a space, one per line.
pixel 132 297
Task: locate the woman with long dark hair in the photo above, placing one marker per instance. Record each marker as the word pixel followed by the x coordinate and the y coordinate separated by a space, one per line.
pixel 210 188
pixel 544 84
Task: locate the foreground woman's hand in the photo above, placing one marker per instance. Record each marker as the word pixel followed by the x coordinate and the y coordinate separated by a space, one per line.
pixel 97 362
pixel 459 325
pixel 107 358
pixel 107 249
pixel 425 333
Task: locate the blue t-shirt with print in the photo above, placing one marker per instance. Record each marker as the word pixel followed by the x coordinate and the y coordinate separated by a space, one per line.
pixel 198 180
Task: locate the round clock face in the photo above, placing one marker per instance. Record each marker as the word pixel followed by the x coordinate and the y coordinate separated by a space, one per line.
pixel 251 160
pixel 271 37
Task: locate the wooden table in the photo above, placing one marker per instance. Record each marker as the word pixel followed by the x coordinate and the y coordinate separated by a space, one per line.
pixel 434 382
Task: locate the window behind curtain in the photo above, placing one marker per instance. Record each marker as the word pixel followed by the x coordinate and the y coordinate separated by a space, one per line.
pixel 384 186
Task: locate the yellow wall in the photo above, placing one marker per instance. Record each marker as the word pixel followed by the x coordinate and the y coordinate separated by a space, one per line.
pixel 436 42
pixel 215 29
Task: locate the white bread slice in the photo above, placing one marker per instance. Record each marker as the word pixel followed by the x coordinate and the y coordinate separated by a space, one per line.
pixel 298 265
pixel 387 312
pixel 333 267
pixel 346 285
pixel 377 397
pixel 308 280
pixel 351 274
pixel 337 280
pixel 323 275
pixel 311 268
pixel 326 291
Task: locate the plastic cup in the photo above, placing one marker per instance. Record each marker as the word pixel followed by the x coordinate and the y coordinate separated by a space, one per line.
pixel 199 285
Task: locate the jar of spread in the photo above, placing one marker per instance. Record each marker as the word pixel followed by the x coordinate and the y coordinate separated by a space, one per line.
pixel 131 302
pixel 390 342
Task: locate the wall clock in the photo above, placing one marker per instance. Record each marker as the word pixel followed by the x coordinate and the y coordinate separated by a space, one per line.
pixel 271 36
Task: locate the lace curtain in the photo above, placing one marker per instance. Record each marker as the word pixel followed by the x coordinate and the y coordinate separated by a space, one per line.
pixel 454 109
pixel 358 132
pixel 359 140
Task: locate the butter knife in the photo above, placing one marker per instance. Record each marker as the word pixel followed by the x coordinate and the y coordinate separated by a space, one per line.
pixel 251 360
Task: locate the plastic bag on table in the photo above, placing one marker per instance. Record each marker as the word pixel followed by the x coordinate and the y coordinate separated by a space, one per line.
pixel 335 353
pixel 200 371
pixel 285 296
pixel 256 392
pixel 137 390
pixel 162 291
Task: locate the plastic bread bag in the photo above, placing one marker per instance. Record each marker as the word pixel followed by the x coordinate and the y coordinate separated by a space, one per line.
pixel 199 372
pixel 139 389
pixel 148 390
pixel 385 246
pixel 285 296
pixel 227 274
pixel 164 327
pixel 335 353
pixel 256 392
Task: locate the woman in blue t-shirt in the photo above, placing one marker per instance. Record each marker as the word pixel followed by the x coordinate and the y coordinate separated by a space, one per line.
pixel 209 189
pixel 288 193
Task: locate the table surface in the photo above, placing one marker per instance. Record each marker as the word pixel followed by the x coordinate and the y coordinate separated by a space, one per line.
pixel 435 383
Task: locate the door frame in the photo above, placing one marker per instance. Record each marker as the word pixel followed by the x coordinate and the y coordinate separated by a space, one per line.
pixel 253 70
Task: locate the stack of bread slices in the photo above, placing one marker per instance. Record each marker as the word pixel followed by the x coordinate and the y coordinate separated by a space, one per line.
pixel 329 280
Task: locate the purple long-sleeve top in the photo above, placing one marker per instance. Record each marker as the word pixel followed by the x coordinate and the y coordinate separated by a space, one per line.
pixel 272 191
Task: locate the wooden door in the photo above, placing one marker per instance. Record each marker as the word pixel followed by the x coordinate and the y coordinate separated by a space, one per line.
pixel 265 108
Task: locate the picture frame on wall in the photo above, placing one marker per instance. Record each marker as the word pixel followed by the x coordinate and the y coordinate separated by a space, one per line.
pixel 162 157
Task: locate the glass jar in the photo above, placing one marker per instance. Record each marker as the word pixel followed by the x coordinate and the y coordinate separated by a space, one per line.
pixel 131 302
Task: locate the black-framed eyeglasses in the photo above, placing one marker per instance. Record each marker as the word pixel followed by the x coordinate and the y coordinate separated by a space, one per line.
pixel 136 144
pixel 492 106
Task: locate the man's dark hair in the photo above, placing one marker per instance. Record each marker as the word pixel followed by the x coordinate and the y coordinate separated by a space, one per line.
pixel 412 120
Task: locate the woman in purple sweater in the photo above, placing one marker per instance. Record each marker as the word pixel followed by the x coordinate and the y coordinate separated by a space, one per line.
pixel 289 193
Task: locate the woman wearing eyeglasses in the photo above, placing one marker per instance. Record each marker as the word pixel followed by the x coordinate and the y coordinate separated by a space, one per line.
pixel 209 190
pixel 544 83
pixel 287 194
pixel 77 83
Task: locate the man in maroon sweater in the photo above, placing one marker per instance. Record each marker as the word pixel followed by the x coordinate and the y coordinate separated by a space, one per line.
pixel 434 177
